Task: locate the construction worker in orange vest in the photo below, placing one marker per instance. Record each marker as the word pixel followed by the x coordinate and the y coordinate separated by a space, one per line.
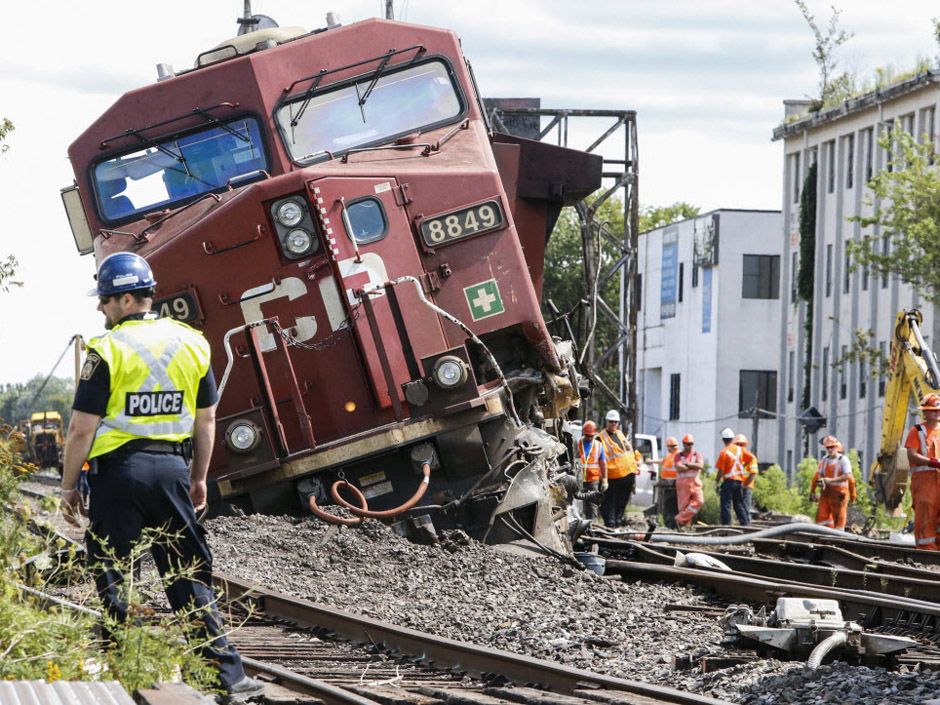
pixel 834 478
pixel 594 462
pixel 923 451
pixel 752 468
pixel 689 463
pixel 731 465
pixel 621 470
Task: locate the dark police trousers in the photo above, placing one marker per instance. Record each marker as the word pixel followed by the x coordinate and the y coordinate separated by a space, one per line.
pixel 134 490
pixel 732 494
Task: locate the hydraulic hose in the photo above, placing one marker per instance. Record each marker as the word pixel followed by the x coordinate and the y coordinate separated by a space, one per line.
pixel 831 642
pixel 363 509
pixel 331 518
pixel 696 540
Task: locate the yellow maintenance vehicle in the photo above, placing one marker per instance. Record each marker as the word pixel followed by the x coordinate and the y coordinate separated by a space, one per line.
pixel 913 370
pixel 46 439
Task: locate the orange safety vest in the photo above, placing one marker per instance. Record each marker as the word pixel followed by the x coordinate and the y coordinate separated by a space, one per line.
pixel 591 463
pixel 925 449
pixel 621 460
pixel 836 471
pixel 729 463
pixel 668 471
pixel 692 457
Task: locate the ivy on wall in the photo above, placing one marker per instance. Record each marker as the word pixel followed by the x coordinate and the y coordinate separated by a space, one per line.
pixel 805 283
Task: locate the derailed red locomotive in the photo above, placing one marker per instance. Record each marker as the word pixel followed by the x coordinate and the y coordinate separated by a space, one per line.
pixel 365 255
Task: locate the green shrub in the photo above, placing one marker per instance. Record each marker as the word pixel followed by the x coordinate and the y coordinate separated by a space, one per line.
pixel 38 641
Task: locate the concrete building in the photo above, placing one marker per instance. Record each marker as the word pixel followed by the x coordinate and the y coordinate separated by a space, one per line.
pixel 708 328
pixel 844 144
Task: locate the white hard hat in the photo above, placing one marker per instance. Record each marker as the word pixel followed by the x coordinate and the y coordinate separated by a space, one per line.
pixel 613 415
pixel 727 434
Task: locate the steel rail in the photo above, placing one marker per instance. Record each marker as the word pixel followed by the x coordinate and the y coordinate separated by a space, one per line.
pixel 862 545
pixel 920 588
pixel 870 609
pixel 442 651
pixel 822 554
pixel 329 694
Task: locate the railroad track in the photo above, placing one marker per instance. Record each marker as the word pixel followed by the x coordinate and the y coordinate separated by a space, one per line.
pixel 459 673
pixel 882 596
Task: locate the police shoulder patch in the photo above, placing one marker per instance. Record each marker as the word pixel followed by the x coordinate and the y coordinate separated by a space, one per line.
pixel 91 364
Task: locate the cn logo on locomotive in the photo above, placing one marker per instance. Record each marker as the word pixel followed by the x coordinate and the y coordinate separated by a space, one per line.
pixel 370 271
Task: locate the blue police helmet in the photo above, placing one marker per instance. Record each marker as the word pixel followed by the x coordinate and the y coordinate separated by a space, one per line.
pixel 123 271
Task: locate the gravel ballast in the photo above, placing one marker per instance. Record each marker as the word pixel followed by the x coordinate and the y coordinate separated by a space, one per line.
pixel 535 606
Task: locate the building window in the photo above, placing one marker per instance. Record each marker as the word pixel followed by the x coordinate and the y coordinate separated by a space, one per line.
pixel 865 278
pixel 789 467
pixel 830 166
pixel 794 271
pixel 885 251
pixel 927 129
pixel 843 377
pixel 869 153
pixel 888 127
pixel 639 292
pixel 791 374
pixel 824 392
pixel 757 388
pixel 795 177
pixel 828 271
pixel 761 279
pixel 883 349
pixel 674 397
pixel 846 272
pixel 862 380
pixel 850 161
pixel 681 280
pixel 694 276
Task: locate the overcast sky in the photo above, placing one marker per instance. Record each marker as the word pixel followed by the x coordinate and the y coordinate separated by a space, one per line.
pixel 707 79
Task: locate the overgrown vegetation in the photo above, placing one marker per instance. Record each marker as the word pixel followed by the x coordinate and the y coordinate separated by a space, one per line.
pixel 38 641
pixel 827 40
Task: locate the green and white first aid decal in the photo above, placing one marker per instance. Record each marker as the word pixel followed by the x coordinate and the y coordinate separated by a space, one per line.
pixel 484 300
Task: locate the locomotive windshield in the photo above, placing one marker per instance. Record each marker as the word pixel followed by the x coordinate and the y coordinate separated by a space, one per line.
pixel 400 103
pixel 167 171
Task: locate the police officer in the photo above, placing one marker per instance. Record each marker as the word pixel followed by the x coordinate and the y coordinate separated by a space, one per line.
pixel 144 405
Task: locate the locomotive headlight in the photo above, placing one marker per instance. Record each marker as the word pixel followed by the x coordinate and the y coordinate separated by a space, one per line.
pixel 449 372
pixel 298 241
pixel 242 436
pixel 289 213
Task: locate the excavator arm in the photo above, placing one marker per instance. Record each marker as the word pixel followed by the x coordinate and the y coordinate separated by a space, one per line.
pixel 912 370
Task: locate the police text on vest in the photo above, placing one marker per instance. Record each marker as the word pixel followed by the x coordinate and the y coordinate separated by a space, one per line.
pixel 153 403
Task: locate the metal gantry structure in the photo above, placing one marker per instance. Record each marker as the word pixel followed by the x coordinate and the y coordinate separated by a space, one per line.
pixel 607 254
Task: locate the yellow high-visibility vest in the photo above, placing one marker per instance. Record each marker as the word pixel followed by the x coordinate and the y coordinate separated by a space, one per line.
pixel 156 366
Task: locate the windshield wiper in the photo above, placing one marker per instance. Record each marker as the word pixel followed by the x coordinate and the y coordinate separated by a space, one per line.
pixel 221 125
pixel 375 79
pixel 180 159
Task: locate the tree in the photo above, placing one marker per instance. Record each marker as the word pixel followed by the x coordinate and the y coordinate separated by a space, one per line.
pixel 832 88
pixel 657 216
pixel 7 266
pixel 905 215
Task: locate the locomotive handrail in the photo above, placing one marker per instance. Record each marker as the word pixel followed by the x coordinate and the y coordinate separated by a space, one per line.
pixel 230 359
pixel 366 290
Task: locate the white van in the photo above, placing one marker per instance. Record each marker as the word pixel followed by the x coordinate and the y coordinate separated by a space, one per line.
pixel 649 447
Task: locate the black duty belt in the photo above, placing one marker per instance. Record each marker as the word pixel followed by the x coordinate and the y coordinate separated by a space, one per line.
pixel 147 445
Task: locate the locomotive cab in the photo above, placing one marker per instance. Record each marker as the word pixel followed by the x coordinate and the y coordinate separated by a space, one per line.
pixel 329 210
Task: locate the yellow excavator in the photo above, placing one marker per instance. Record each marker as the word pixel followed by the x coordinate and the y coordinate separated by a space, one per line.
pixel 913 370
